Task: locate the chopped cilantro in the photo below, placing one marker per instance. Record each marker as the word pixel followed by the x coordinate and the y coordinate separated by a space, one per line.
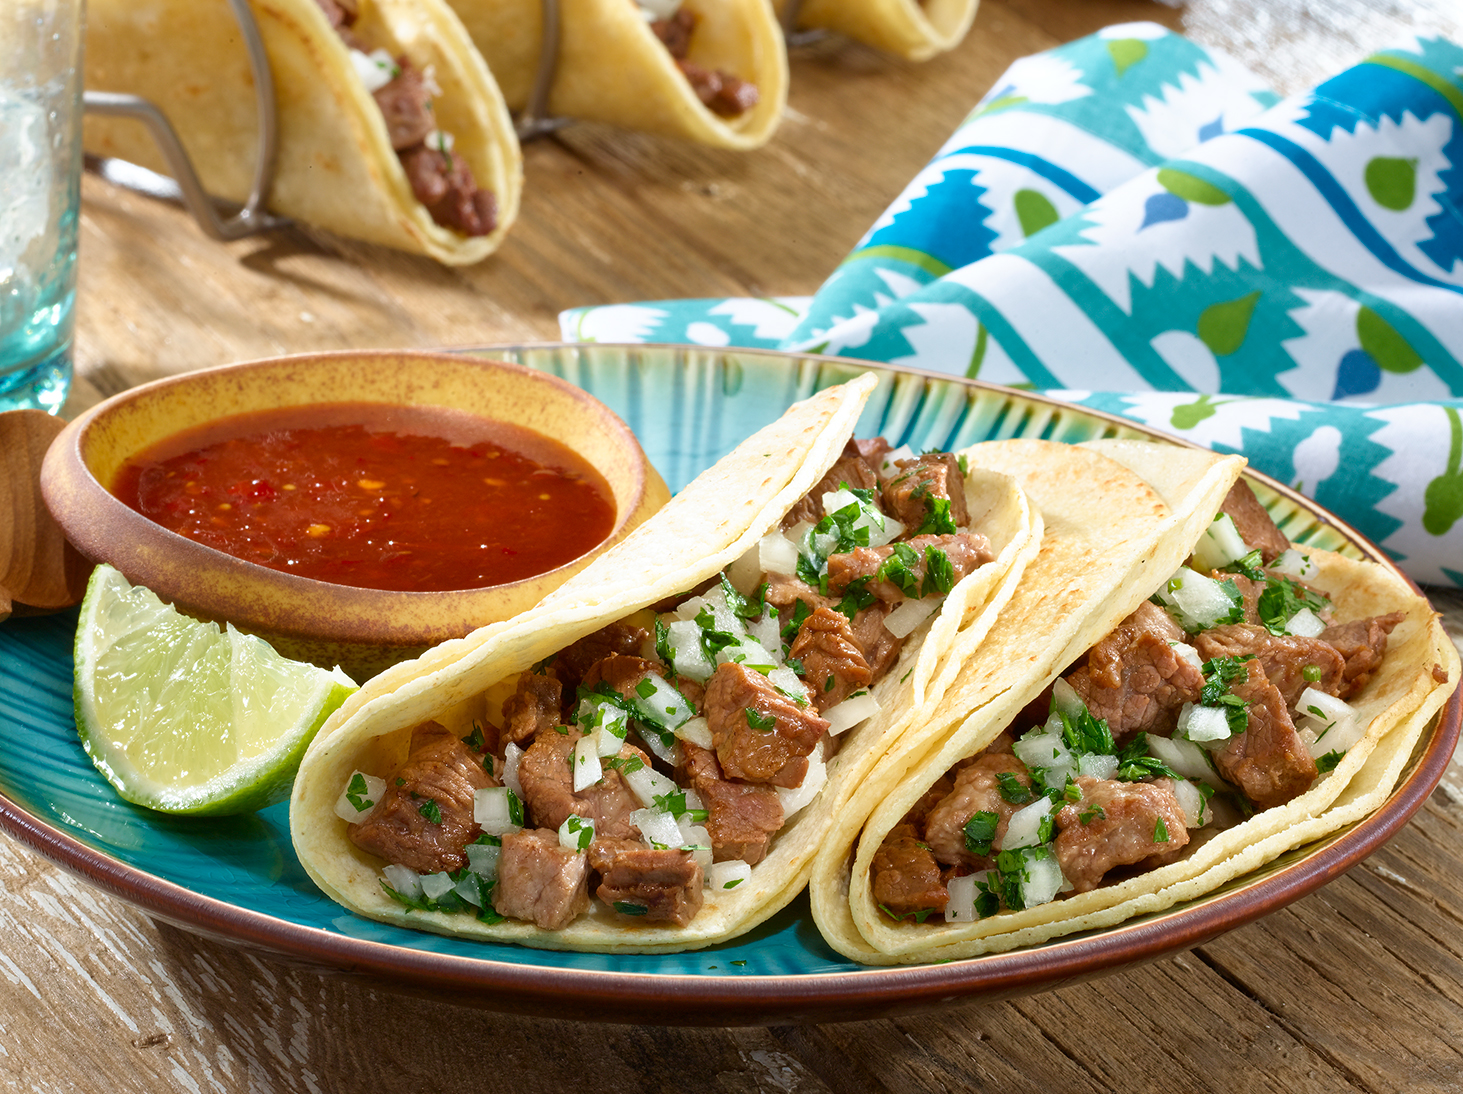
pixel 1219 674
pixel 796 664
pixel 899 569
pixel 1084 733
pixel 939 574
pixel 625 765
pixel 1087 816
pixel 1012 789
pixel 828 683
pixel 1135 764
pixel 488 762
pixel 856 597
pixel 400 781
pixel 980 830
pixel 674 804
pixel 737 963
pixel 540 667
pixel 356 791
pixel 490 841
pixel 733 883
pixel 432 811
pixel 1160 831
pixel 1281 599
pixel 963 462
pixel 474 740
pixel 762 723
pixel 800 611
pixel 713 641
pixel 663 648
pixel 1329 761
pixel 937 517
pixel 646 688
pixel 919 915
pixel 582 828
pixel 1250 565
pixel 624 907
pixel 515 809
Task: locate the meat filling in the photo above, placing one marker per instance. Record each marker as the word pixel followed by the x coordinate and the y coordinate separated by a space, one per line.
pixel 722 92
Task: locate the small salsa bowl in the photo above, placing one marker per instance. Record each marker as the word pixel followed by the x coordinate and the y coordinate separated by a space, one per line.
pixel 362 630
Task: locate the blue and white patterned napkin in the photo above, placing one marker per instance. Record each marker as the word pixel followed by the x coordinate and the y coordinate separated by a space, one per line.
pixel 1135 223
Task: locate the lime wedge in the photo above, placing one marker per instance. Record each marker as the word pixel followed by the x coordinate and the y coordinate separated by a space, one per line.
pixel 184 717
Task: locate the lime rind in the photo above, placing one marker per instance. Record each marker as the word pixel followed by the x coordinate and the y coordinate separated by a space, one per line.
pixel 184 717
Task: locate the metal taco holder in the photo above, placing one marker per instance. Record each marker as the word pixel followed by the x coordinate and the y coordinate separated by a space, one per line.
pixel 789 20
pixel 252 218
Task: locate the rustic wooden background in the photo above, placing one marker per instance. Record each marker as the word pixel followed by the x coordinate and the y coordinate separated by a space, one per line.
pixel 1356 988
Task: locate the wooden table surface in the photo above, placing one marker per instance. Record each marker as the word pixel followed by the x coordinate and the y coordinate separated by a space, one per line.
pixel 1358 987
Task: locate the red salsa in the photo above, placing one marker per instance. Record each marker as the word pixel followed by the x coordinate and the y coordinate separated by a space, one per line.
pixel 415 499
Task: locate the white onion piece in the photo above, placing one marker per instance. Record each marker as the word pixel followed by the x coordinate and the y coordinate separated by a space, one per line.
pixel 511 757
pixel 721 612
pixel 1202 601
pixel 375 69
pixel 1066 700
pixel 658 9
pixel 1043 879
pixel 657 827
pixel 1043 750
pixel 490 811
pixel 690 608
pixel 888 469
pixel 649 784
pixel 664 707
pixel 435 886
pixel 789 682
pixel 849 713
pixel 1191 801
pixel 587 770
pixel 1305 623
pixel 725 876
pixel 671 753
pixel 572 833
pixel 751 653
pixel 902 621
pixel 767 631
pixel 697 731
pixel 1186 652
pixel 777 554
pixel 745 571
pixel 687 657
pixel 1024 828
pixel 608 743
pixel 1336 728
pixel 961 906
pixel 695 837
pixel 482 859
pixel 1203 724
pixel 1292 563
pixel 693 799
pixel 1097 765
pixel 404 880
pixel 1220 544
pixel 374 789
pixel 795 798
pixel 467 888
pixel 1184 757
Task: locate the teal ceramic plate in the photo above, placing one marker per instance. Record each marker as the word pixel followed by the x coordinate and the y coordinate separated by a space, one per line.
pixel 238 879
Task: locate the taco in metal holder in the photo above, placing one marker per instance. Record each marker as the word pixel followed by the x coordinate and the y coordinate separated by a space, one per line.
pixel 913 29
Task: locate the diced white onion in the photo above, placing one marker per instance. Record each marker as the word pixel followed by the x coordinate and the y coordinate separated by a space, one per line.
pixel 850 712
pixel 745 571
pixel 374 789
pixel 1202 724
pixel 404 880
pixel 697 731
pixel 587 770
pixel 1044 878
pixel 693 799
pixel 777 554
pixel 963 891
pixel 649 784
pixel 1305 623
pixel 698 840
pixel 1184 757
pixel 607 742
pixel 690 608
pixel 729 875
pixel 1097 765
pixel 1336 728
pixel 794 798
pixel 789 682
pixel 1066 700
pixel 751 653
pixel 888 469
pixel 767 631
pixel 671 753
pixel 658 827
pixel 664 707
pixel 721 612
pixel 1191 801
pixel 375 69
pixel 511 757
pixel 572 832
pixel 467 888
pixel 1220 544
pixel 1202 601
pixel 1293 564
pixel 1186 652
pixel 490 811
pixel 438 141
pixel 482 858
pixel 658 9
pixel 1038 749
pixel 902 621
pixel 1024 828
pixel 687 656
pixel 435 886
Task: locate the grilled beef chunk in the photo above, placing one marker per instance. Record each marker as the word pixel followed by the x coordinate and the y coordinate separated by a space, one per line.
pixel 849 469
pixel 648 884
pixel 675 32
pixel 1134 679
pixel 406 104
pixel 439 769
pixel 1253 523
pixel 785 591
pixel 873 450
pixel 540 881
pixel 910 494
pixel 1284 658
pixel 443 183
pixel 1361 643
pixel 534 706
pixel 741 818
pixel 622 671
pixel 1126 823
pixel 965 550
pixel 879 647
pixel 977 789
pixel 547 776
pixel 1268 761
pixel 573 661
pixel 834 666
pixel 906 877
pixel 777 755
pixel 1251 590
pixel 725 94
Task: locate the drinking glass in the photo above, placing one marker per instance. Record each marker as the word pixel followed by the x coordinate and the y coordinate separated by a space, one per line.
pixel 40 194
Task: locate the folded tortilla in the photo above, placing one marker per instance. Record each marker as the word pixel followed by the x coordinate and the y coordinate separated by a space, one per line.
pixel 1036 640
pixel 913 29
pixel 611 67
pixel 713 522
pixel 336 167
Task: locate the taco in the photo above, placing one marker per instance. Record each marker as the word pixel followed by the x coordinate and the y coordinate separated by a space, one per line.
pixel 391 128
pixel 1194 723
pixel 649 758
pixel 709 72
pixel 913 29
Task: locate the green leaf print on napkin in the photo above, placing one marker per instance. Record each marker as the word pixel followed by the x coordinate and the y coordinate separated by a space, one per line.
pixel 1387 348
pixel 1127 52
pixel 1034 210
pixel 1189 415
pixel 1443 499
pixel 1392 182
pixel 1190 187
pixel 1223 326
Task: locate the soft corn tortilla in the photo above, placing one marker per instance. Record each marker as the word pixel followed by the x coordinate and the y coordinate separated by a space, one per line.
pixel 1397 704
pixel 611 68
pixel 908 28
pixel 713 522
pixel 335 166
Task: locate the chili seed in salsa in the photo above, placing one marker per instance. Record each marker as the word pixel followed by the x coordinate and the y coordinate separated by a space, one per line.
pixel 357 504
